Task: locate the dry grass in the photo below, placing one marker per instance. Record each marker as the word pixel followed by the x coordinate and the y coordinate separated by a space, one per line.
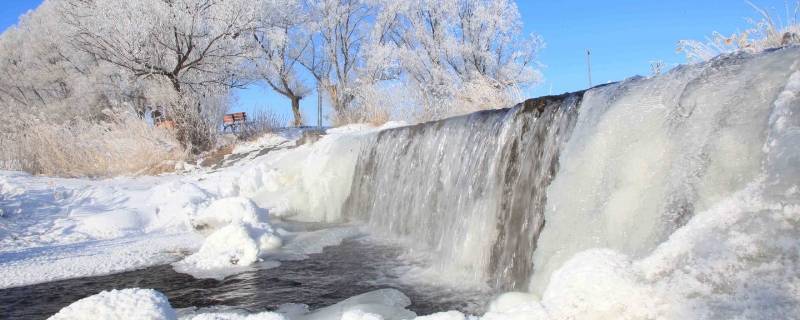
pixel 369 113
pixel 216 156
pixel 371 104
pixel 121 144
pixel 764 33
pixel 262 122
pixel 478 94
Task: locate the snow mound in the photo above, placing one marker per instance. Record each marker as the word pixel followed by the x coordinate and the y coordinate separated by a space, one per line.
pixel 383 304
pixel 225 211
pixel 176 202
pixel 228 249
pixel 107 225
pixel 269 140
pixel 144 304
pixel 237 316
pixel 240 235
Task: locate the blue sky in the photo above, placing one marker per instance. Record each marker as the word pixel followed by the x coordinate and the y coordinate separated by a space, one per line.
pixel 623 35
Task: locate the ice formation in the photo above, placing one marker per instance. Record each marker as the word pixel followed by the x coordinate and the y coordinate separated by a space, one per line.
pixel 119 304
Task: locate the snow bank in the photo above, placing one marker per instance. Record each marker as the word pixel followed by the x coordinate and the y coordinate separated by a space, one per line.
pixel 269 140
pixel 92 258
pixel 55 228
pixel 108 225
pixel 225 211
pixel 240 236
pixel 145 304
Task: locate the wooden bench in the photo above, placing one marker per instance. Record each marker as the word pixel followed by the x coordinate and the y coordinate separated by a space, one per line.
pixel 233 121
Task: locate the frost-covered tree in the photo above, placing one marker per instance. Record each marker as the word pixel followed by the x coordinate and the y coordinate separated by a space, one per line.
pixel 37 69
pixel 281 43
pixel 337 31
pixel 470 53
pixel 67 104
pixel 197 46
pixel 189 42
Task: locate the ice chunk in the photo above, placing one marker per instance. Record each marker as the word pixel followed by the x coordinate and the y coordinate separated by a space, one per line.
pixel 228 249
pixel 145 304
pixel 383 304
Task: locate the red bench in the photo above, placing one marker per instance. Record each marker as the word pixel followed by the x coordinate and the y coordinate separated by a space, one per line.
pixel 233 121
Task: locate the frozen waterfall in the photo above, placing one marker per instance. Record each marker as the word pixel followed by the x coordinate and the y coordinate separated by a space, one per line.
pixel 507 196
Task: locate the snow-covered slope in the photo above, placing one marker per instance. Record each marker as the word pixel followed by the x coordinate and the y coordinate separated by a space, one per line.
pixel 54 228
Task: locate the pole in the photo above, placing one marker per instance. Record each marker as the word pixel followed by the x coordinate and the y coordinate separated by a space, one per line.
pixel 589 65
pixel 319 107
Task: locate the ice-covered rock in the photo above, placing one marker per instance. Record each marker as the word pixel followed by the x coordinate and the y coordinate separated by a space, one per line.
pixel 237 316
pixel 232 246
pixel 448 315
pixel 383 304
pixel 144 304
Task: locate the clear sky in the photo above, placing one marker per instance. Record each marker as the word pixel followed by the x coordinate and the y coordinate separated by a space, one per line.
pixel 623 35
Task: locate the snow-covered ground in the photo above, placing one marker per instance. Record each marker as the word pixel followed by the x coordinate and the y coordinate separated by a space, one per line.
pixel 54 228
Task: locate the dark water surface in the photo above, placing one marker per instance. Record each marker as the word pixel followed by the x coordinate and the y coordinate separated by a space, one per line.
pixel 339 272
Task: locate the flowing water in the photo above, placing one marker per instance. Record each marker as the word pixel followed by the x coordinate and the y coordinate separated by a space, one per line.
pixel 504 197
pixel 339 272
pixel 470 188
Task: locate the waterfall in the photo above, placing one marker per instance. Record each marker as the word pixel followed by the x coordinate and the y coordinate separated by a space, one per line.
pixel 646 154
pixel 506 196
pixel 470 188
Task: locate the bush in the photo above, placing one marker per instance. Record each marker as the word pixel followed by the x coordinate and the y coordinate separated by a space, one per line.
pixel 260 123
pixel 764 33
pixel 120 144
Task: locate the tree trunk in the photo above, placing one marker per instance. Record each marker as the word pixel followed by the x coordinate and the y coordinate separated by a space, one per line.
pixel 175 83
pixel 298 118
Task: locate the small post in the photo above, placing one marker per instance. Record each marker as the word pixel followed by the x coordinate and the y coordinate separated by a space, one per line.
pixel 589 65
pixel 319 107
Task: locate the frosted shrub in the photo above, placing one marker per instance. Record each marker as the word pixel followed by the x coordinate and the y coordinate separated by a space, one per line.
pixel 120 144
pixel 764 33
pixel 480 93
pixel 371 104
pixel 261 122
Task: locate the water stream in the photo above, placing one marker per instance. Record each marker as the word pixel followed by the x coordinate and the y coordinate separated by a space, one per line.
pixel 339 272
